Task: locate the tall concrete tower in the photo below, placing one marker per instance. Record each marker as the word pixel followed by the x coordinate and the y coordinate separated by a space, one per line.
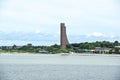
pixel 63 37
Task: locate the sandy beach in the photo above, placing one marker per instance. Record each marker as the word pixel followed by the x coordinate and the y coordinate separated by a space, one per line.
pixel 63 54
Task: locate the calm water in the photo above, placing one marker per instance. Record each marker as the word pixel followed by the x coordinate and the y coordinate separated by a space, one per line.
pixel 57 67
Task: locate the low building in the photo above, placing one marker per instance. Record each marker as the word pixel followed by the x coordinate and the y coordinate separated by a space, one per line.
pixel 42 51
pixel 116 49
pixel 102 50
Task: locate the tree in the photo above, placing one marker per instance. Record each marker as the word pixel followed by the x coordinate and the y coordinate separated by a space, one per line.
pixel 116 50
pixel 55 46
pixel 14 46
pixel 69 46
pixel 29 45
pixel 116 43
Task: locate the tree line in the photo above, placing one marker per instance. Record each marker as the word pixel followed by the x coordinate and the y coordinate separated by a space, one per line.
pixel 74 47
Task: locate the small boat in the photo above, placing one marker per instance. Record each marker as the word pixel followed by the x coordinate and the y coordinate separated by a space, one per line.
pixel 64 54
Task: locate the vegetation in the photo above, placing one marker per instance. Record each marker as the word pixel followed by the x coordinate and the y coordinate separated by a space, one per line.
pixel 74 47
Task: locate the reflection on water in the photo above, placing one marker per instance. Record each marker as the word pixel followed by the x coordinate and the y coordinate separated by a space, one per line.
pixel 57 67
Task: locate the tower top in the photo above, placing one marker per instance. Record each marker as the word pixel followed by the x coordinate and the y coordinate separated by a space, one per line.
pixel 62 24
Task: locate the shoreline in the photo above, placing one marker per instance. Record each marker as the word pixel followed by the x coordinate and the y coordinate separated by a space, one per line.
pixel 88 54
pixel 64 54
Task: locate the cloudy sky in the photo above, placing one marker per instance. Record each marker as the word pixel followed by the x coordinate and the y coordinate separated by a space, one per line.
pixel 99 19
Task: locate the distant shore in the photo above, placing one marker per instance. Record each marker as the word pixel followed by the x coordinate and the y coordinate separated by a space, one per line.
pixel 65 54
pixel 90 54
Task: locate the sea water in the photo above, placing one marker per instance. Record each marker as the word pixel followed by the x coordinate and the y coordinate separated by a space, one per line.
pixel 58 67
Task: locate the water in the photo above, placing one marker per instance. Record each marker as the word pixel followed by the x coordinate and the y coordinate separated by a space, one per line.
pixel 57 67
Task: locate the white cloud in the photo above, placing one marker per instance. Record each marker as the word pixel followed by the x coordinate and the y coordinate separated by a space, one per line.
pixel 112 36
pixel 72 12
pixel 37 31
pixel 44 11
pixel 102 35
pixel 96 34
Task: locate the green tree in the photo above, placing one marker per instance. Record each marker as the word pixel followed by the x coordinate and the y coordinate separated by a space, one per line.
pixel 14 47
pixel 116 43
pixel 55 46
pixel 116 50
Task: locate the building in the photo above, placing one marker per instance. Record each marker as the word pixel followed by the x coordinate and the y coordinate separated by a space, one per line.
pixel 116 49
pixel 42 51
pixel 102 50
pixel 63 37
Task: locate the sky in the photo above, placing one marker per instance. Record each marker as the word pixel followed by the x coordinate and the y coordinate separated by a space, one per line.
pixel 85 20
